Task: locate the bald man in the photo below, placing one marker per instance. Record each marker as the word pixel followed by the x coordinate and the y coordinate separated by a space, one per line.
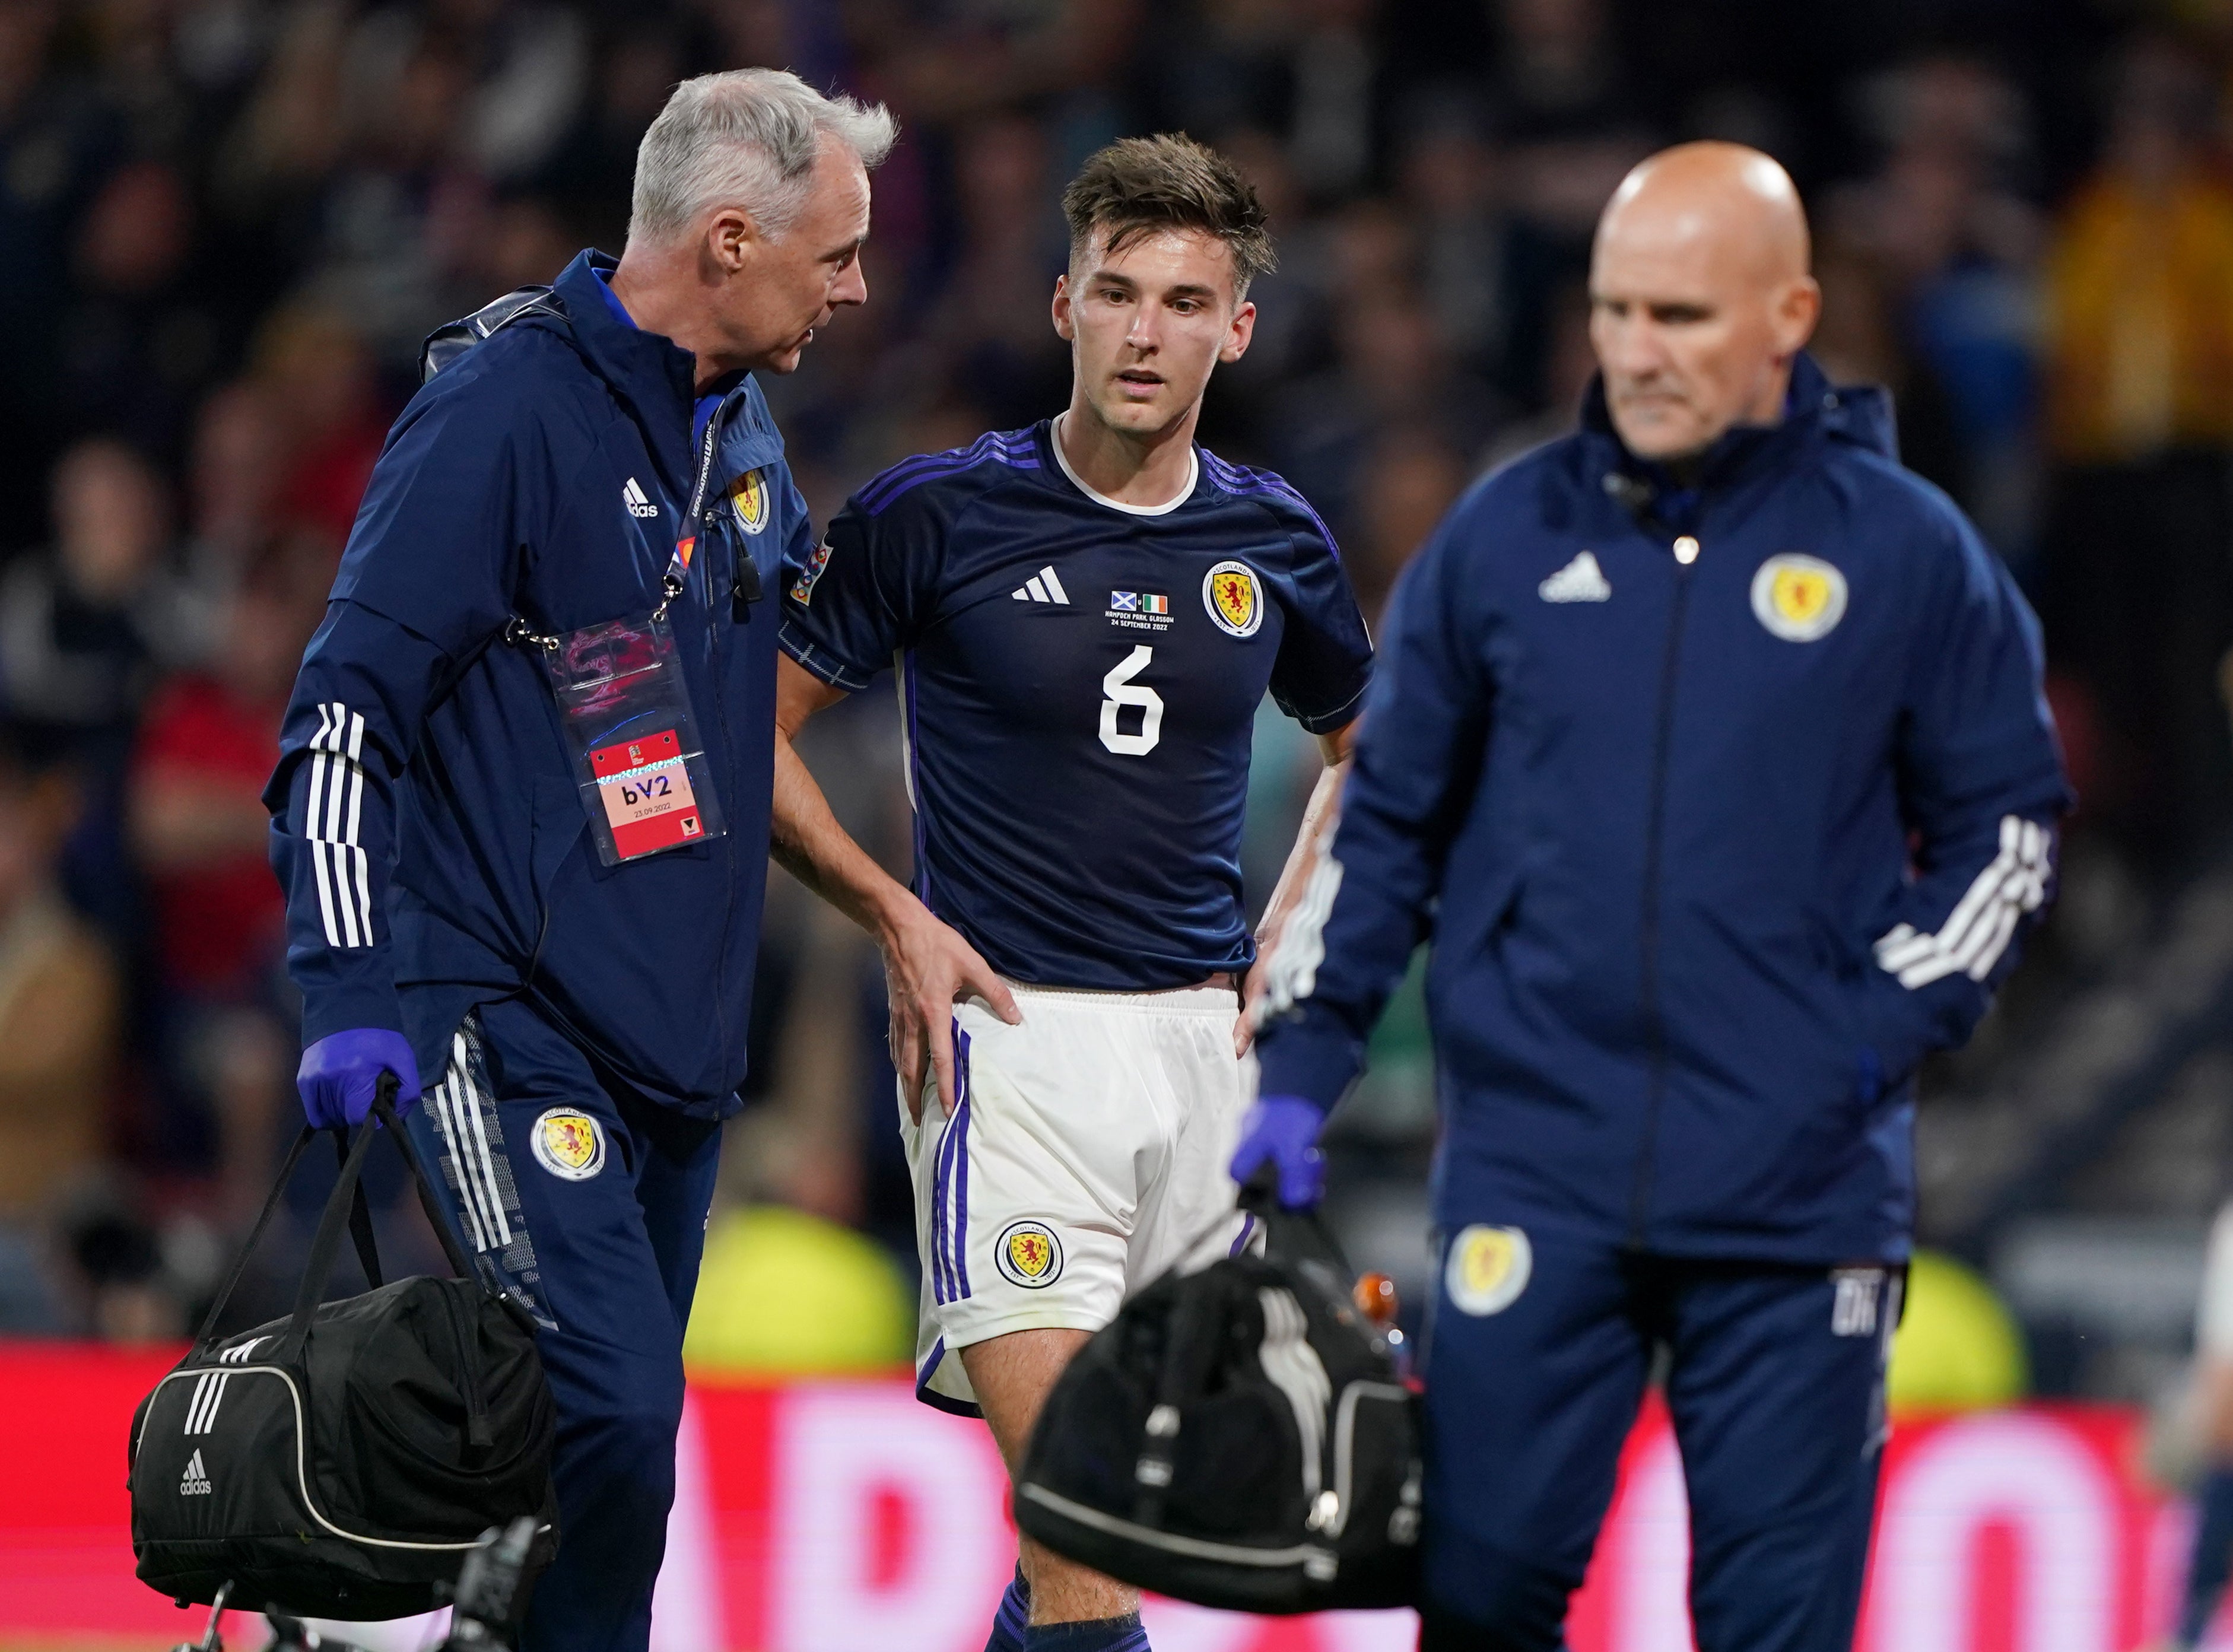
pixel 1708 753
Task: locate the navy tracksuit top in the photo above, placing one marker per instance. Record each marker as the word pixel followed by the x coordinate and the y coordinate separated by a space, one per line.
pixel 1710 852
pixel 426 821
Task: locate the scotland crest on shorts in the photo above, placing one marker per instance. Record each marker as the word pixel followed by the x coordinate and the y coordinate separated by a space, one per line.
pixel 568 1143
pixel 1028 1254
pixel 1235 598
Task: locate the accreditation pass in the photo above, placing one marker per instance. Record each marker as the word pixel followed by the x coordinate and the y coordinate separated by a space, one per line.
pixel 646 788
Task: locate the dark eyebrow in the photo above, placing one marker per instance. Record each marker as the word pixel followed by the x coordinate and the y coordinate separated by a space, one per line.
pixel 1111 277
pixel 1191 289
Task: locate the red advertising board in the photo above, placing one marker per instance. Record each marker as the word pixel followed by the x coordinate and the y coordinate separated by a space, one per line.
pixel 846 1518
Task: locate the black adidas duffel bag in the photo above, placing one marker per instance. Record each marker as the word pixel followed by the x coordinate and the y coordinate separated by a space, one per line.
pixel 343 1461
pixel 1239 1437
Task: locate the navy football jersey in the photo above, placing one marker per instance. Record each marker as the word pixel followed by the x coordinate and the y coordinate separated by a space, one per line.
pixel 1079 678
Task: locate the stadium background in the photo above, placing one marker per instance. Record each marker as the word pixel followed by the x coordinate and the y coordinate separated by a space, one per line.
pixel 224 226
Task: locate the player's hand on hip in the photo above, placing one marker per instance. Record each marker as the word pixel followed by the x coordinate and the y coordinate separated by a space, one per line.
pixel 341 1072
pixel 1251 993
pixel 928 969
pixel 1282 1132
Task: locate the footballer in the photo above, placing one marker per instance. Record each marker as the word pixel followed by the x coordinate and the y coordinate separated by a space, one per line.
pixel 1083 616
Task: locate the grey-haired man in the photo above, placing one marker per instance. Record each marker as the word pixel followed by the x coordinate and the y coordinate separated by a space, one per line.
pixel 522 805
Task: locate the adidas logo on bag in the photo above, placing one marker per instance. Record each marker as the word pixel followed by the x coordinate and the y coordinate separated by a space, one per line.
pixel 1579 581
pixel 1042 587
pixel 633 496
pixel 195 1481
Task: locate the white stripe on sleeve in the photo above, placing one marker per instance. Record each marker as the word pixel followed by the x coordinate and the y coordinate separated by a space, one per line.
pixel 333 817
pixel 1977 932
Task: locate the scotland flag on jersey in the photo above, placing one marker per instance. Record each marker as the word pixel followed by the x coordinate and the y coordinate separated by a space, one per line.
pixel 1078 762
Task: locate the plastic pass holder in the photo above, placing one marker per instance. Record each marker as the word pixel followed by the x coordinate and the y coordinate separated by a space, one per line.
pixel 638 763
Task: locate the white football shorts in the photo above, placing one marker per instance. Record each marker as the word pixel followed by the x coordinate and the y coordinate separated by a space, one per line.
pixel 1087 1153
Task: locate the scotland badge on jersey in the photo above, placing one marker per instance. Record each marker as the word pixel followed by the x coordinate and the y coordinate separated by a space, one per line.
pixel 1229 593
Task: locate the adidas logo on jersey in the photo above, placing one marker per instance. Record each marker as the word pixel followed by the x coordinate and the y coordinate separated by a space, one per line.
pixel 633 497
pixel 195 1482
pixel 1579 581
pixel 1042 587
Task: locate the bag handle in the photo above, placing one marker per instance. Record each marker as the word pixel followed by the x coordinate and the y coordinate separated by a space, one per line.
pixel 1300 1235
pixel 325 1246
pixel 360 1218
pixel 360 1228
pixel 207 1335
pixel 383 1109
pixel 345 1207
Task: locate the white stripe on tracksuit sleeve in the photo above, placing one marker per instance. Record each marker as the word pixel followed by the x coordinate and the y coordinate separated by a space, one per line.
pixel 330 824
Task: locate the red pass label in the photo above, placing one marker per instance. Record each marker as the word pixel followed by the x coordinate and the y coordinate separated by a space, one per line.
pixel 646 788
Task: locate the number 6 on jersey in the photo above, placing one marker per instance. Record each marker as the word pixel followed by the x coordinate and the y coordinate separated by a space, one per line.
pixel 1118 687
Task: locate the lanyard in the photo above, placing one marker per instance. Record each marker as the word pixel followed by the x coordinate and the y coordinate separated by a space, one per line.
pixel 677 570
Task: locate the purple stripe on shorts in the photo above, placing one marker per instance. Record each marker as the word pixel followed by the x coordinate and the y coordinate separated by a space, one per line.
pixel 941 1270
pixel 962 1176
pixel 1247 1229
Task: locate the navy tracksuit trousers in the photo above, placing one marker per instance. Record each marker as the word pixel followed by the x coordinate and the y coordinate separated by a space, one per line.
pixel 589 1200
pixel 1774 1383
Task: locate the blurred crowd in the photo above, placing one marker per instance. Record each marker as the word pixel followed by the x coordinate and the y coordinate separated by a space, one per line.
pixel 225 224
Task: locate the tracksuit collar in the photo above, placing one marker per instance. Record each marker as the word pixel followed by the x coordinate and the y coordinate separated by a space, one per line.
pixel 655 377
pixel 1813 410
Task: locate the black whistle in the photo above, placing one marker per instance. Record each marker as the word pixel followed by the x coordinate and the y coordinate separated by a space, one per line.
pixel 744 590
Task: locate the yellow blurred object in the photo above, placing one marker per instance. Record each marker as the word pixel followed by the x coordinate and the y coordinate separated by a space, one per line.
pixel 1957 1347
pixel 785 1294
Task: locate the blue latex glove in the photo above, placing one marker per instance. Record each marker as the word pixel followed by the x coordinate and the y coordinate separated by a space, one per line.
pixel 340 1073
pixel 1283 1131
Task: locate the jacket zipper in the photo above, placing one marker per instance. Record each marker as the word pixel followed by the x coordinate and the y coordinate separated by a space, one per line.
pixel 1654 845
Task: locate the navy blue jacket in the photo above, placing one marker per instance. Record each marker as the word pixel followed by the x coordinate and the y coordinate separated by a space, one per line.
pixel 1710 852
pixel 447 861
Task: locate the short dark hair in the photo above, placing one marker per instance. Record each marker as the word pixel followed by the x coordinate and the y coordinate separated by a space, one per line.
pixel 1138 186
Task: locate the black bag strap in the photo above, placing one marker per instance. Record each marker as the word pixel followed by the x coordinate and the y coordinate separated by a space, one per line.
pixel 1291 1235
pixel 360 1218
pixel 207 1335
pixel 452 340
pixel 383 1109
pixel 325 1246
pixel 345 1208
